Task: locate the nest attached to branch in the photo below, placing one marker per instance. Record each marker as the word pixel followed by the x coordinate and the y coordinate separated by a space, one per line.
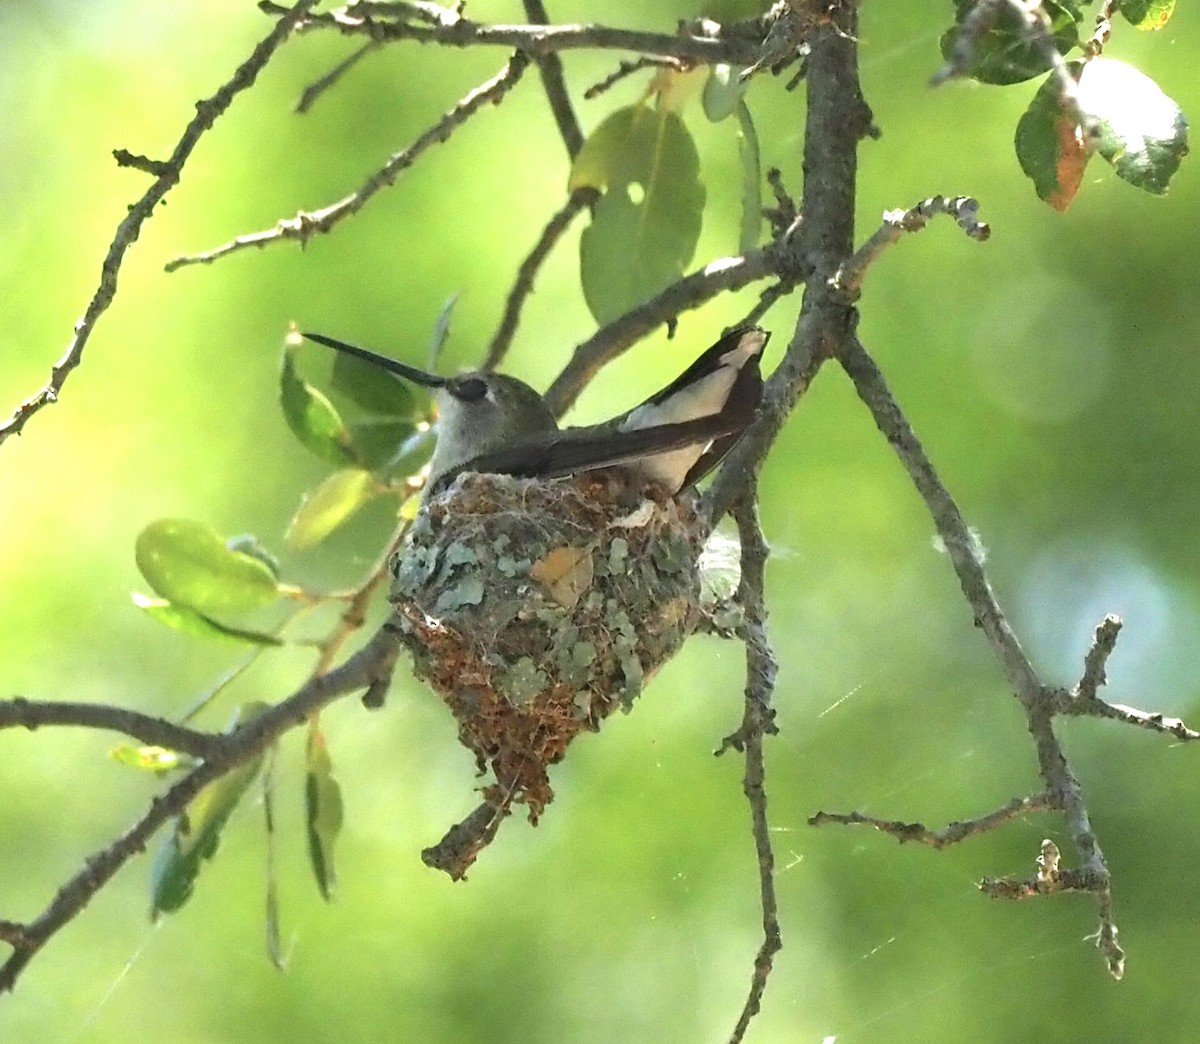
pixel 535 609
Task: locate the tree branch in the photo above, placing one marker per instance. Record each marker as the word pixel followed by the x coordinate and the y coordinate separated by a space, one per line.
pixel 307 224
pixel 387 22
pixel 551 69
pixel 158 732
pixel 758 720
pixel 167 177
pixel 374 662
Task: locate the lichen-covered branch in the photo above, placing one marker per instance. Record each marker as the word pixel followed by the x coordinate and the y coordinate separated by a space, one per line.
pixel 166 177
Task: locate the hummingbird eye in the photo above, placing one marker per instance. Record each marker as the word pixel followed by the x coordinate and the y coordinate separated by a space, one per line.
pixel 469 389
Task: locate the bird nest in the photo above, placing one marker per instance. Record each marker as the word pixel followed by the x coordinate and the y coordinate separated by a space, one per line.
pixel 535 609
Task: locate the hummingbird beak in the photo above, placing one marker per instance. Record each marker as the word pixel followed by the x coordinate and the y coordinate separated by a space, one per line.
pixel 411 373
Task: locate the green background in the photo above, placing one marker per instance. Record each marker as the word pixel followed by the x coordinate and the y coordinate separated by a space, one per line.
pixel 1052 374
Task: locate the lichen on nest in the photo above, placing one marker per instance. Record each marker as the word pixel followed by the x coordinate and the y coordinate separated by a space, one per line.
pixel 535 608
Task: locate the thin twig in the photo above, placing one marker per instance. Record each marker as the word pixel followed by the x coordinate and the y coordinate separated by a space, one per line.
pixel 963 209
pixel 731 48
pixel 307 224
pixel 207 113
pixel 522 286
pixel 758 720
pixel 158 732
pixel 362 670
pixel 949 835
pixel 628 68
pixel 318 87
pixel 551 69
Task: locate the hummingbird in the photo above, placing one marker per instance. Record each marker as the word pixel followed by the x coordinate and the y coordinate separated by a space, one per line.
pixel 497 424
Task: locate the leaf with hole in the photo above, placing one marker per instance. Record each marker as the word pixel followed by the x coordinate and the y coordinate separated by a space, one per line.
pixel 646 224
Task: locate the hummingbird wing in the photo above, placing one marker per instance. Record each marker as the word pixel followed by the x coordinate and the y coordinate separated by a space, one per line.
pixel 724 380
pixel 568 452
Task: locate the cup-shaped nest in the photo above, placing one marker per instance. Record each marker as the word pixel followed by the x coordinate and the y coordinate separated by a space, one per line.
pixel 535 608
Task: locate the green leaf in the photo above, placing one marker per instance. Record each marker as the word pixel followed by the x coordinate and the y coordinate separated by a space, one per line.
pixel 189 621
pixel 377 442
pixel 441 330
pixel 723 92
pixel 249 544
pixel 1002 55
pixel 311 416
pixel 645 226
pixel 329 505
pixel 188 564
pixel 1050 146
pixel 1147 14
pixel 323 801
pixel 197 832
pixel 414 453
pixel 369 387
pixel 748 154
pixel 1143 133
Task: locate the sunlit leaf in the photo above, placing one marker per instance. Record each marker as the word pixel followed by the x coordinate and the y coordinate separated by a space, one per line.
pixel 1050 147
pixel 150 758
pixel 323 802
pixel 187 563
pixel 1003 54
pixel 329 505
pixel 311 416
pixel 645 226
pixel 1147 14
pixel 197 832
pixel 1143 133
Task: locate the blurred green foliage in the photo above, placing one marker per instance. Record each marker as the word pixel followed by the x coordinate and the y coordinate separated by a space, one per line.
pixel 1052 375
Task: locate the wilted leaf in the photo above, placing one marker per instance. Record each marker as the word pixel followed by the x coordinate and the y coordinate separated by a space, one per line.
pixel 197 832
pixel 187 563
pixel 311 416
pixel 1002 54
pixel 329 505
pixel 566 573
pixel 1050 147
pixel 1143 133
pixel 645 226
pixel 323 802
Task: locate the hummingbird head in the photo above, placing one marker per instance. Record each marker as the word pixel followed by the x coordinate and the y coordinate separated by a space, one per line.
pixel 479 412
